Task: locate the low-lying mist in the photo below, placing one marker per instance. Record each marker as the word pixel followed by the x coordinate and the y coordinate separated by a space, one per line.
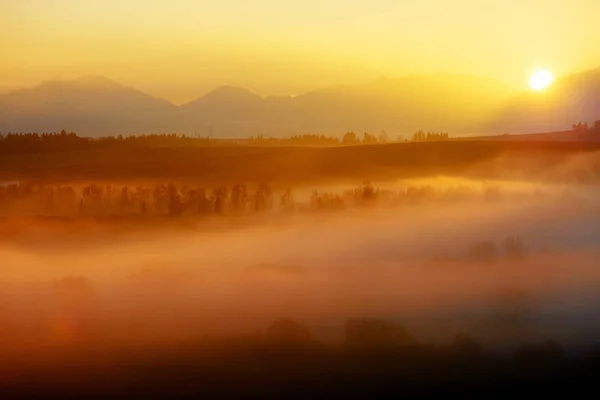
pixel 512 268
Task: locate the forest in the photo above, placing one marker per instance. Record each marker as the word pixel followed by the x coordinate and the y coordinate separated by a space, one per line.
pixel 184 201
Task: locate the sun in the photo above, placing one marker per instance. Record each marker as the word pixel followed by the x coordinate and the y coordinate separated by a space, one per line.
pixel 540 79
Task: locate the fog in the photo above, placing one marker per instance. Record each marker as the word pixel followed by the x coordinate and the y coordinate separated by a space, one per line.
pixel 68 283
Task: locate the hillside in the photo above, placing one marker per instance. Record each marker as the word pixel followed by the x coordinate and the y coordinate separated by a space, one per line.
pixel 98 106
pixel 463 105
pixel 92 105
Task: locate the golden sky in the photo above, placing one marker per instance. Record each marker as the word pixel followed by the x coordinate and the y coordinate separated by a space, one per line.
pixel 180 49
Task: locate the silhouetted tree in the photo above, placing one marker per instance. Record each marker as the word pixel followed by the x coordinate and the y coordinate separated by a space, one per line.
pixel 421 136
pixel 175 205
pixel 239 197
pixel 383 137
pixel 287 200
pixel 350 138
pixel 485 251
pixel 514 249
pixel 219 198
pixel 369 139
pixel 368 192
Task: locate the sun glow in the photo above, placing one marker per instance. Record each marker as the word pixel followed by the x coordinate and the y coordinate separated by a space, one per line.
pixel 540 79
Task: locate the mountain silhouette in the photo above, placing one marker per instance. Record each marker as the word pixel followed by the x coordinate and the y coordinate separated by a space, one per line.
pixel 438 102
pixel 227 110
pixel 442 102
pixel 459 104
pixel 90 106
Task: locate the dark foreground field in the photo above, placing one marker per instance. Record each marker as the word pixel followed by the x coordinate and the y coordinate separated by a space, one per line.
pixel 234 164
pixel 255 368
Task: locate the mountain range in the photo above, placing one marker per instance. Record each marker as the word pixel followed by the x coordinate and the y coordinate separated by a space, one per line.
pixel 458 104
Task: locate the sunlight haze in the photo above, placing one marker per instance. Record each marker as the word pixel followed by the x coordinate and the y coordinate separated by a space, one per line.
pixel 182 48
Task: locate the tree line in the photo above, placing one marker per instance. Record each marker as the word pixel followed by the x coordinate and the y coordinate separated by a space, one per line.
pixel 587 132
pixel 296 140
pixel 421 136
pixel 162 199
pixel 512 248
pixel 67 141
pixel 169 199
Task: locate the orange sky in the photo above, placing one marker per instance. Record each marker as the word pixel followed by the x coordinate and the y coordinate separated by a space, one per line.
pixel 180 49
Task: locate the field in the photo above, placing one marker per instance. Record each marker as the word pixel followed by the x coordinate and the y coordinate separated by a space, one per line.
pixel 287 164
pixel 333 270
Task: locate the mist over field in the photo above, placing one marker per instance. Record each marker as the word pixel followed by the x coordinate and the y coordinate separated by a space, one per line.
pixel 90 283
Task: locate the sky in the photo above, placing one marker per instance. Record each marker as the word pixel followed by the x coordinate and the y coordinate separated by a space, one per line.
pixel 181 49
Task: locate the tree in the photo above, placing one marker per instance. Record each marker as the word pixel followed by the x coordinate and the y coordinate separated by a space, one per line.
pixel 368 192
pixel 350 138
pixel 579 127
pixel 383 137
pixel 369 139
pixel 485 251
pixel 287 200
pixel 219 199
pixel 175 206
pixel 514 249
pixel 239 197
pixel 419 136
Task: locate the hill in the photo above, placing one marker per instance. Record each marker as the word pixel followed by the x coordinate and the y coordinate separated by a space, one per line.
pixel 97 106
pixel 91 105
pixel 463 105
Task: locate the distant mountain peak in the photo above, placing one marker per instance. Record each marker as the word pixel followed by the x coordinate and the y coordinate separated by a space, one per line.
pixel 226 94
